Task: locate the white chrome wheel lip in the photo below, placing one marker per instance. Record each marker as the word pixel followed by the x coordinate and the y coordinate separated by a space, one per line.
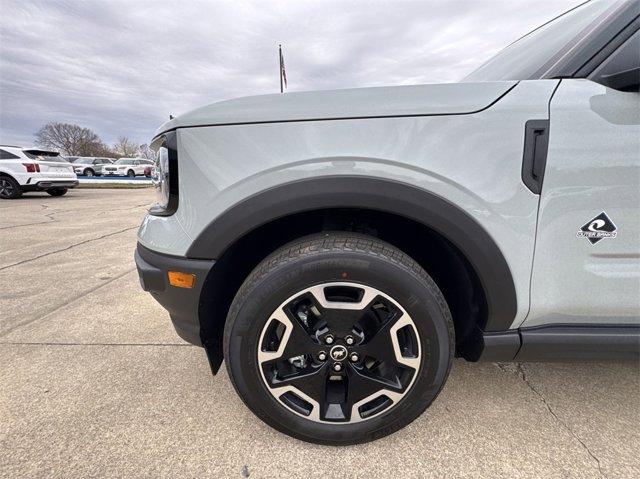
pixel 318 292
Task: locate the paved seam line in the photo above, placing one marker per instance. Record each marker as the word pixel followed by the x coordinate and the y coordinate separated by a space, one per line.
pixel 560 421
pixel 27 224
pixel 124 209
pixel 67 248
pixel 12 343
pixel 53 220
pixel 67 303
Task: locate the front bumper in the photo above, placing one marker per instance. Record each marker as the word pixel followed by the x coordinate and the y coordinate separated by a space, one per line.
pixel 181 303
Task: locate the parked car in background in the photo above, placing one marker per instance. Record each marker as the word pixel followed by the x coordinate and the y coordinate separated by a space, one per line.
pixel 127 167
pixel 90 166
pixel 32 169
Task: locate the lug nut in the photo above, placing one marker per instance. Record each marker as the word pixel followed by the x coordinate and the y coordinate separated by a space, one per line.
pixel 322 356
pixel 354 357
pixel 328 339
pixel 349 340
pixel 337 367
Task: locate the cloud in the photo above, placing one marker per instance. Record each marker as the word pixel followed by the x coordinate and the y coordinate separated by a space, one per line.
pixel 121 67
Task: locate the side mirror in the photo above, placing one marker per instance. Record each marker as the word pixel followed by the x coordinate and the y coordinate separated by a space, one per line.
pixel 625 80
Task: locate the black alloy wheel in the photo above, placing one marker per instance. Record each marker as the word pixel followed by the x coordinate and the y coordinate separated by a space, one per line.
pixel 9 188
pixel 339 352
pixel 338 338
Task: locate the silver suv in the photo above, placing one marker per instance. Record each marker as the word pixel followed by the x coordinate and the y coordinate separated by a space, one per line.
pixel 90 166
pixel 339 248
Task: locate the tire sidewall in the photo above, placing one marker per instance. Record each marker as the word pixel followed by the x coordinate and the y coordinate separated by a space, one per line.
pixel 254 305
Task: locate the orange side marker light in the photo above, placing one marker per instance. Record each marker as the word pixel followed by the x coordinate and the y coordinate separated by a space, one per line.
pixel 181 280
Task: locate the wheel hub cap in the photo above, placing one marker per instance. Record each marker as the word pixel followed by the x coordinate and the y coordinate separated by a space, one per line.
pixel 373 360
pixel 338 353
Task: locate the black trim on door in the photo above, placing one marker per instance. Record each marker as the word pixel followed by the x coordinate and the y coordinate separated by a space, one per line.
pixel 579 342
pixel 534 158
pixel 594 41
pixel 597 59
pixel 563 342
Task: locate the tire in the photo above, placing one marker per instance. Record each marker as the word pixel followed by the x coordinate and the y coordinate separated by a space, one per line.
pixel 349 269
pixel 57 191
pixel 9 188
pixel 89 172
pixel 131 174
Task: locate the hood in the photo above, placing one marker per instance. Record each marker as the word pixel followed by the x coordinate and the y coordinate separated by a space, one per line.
pixel 433 99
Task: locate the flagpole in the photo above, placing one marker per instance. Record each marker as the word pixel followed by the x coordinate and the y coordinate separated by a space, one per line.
pixel 280 60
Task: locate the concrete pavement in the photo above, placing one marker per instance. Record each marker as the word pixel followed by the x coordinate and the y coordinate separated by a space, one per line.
pixel 94 381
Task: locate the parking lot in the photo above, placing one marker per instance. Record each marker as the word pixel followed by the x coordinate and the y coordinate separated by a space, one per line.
pixel 94 381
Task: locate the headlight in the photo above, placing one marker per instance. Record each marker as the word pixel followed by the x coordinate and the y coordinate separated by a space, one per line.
pixel 165 175
pixel 161 177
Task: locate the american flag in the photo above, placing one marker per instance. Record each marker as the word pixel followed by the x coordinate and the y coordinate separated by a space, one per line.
pixel 283 73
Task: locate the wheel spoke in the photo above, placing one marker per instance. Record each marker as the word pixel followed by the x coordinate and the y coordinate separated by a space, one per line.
pixel 363 385
pixel 380 346
pixel 300 341
pixel 294 377
pixel 312 382
pixel 367 366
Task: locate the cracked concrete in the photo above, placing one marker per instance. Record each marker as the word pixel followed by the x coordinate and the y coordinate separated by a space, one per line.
pixel 95 382
pixel 66 248
pixel 519 369
pixel 553 413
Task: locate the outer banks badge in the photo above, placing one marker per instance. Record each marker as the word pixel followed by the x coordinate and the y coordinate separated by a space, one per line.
pixel 598 228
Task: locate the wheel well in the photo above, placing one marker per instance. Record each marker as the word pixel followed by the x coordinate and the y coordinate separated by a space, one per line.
pixel 442 260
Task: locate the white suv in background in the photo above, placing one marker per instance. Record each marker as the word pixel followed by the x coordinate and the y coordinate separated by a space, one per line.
pixel 127 167
pixel 89 166
pixel 31 169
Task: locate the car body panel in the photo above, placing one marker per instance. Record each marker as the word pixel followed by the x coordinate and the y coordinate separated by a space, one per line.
pixel 471 160
pixel 593 166
pixel 55 170
pixel 413 100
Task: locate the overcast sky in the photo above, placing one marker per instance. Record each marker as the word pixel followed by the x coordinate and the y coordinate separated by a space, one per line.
pixel 121 67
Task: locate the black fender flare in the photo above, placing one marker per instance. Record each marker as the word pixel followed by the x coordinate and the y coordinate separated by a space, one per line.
pixel 388 196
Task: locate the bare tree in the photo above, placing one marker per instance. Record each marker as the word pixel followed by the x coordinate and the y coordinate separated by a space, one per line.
pixel 125 147
pixel 146 152
pixel 100 149
pixel 69 139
